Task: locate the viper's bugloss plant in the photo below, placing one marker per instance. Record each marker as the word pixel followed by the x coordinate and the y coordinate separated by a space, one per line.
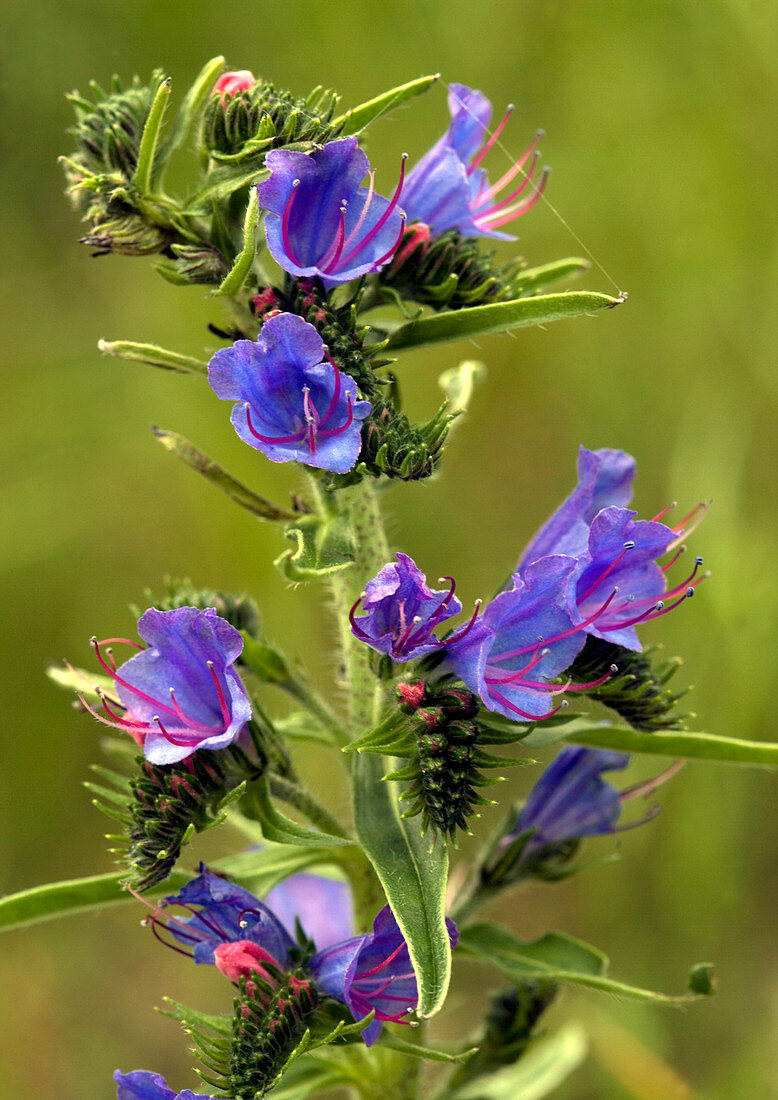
pixel 335 925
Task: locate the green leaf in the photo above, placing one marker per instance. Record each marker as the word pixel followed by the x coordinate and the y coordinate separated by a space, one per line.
pixel 531 278
pixel 556 956
pixel 146 169
pixel 245 259
pixel 429 1054
pixel 358 118
pixel 412 872
pixel 466 324
pixel 79 895
pixel 541 1070
pixel 221 183
pixel 282 829
pixel 188 113
pixel 258 871
pixel 153 355
pixel 679 744
pixel 458 384
pixel 81 680
pixel 325 545
pixel 246 498
pixel 264 661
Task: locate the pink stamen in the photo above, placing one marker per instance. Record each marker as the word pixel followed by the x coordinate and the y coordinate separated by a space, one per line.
pixel 121 641
pixel 398 644
pixel 169 736
pixel 648 786
pixel 558 637
pixel 463 633
pixel 627 546
pixel 356 628
pixel 226 716
pixel 514 194
pixel 363 215
pixel 133 722
pixel 537 657
pixel 285 225
pixel 381 966
pixel 329 261
pixel 395 246
pixel 125 683
pixel 349 419
pixel 294 438
pixel 505 179
pixel 511 214
pixel 189 723
pixel 382 220
pixel 522 713
pixel 664 511
pixel 117 723
pixel 674 559
pixel 336 391
pixel 485 148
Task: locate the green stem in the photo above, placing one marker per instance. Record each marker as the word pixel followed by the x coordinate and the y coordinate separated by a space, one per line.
pixel 317 707
pixel 295 795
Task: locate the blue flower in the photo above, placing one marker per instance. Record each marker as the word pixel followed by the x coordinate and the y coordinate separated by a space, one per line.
pixel 448 190
pixel 142 1085
pixel 292 405
pixel 617 581
pixel 320 221
pixel 525 638
pixel 571 800
pixel 240 934
pixel 401 611
pixel 182 693
pixel 604 479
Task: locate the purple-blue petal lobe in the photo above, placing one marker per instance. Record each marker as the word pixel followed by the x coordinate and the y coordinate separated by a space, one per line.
pixel 292 405
pixel 320 221
pixel 571 800
pixel 524 638
pixel 604 478
pixel 400 611
pixel 140 1084
pixel 322 905
pixel 226 914
pixel 192 652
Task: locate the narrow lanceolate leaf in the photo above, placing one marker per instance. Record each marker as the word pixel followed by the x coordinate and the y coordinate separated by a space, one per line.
pixel 147 167
pixel 246 498
pixel 282 830
pixel 531 279
pixel 154 355
pixel 242 266
pixel 544 1067
pixel 680 744
pixel 467 324
pixel 189 112
pixel 412 872
pixel 60 899
pixel 359 117
pixel 554 956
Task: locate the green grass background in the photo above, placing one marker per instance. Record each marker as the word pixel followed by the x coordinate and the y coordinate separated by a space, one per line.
pixel 660 119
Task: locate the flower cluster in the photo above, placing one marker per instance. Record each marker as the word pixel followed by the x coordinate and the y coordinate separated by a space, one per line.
pixel 246 938
pixel 592 569
pixel 182 692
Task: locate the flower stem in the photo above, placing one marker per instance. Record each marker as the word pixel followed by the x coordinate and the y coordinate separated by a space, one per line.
pixel 295 795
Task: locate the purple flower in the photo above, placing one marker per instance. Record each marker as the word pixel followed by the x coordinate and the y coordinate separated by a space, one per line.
pixel 604 479
pixel 372 973
pixel 320 221
pixel 239 934
pixel 525 638
pixel 142 1085
pixel 617 581
pixel 448 190
pixel 571 800
pixel 401 612
pixel 292 405
pixel 182 693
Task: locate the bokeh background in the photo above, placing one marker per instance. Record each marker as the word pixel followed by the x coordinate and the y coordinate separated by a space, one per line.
pixel 660 120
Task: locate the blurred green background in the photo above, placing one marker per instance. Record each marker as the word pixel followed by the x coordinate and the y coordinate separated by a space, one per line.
pixel 660 119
